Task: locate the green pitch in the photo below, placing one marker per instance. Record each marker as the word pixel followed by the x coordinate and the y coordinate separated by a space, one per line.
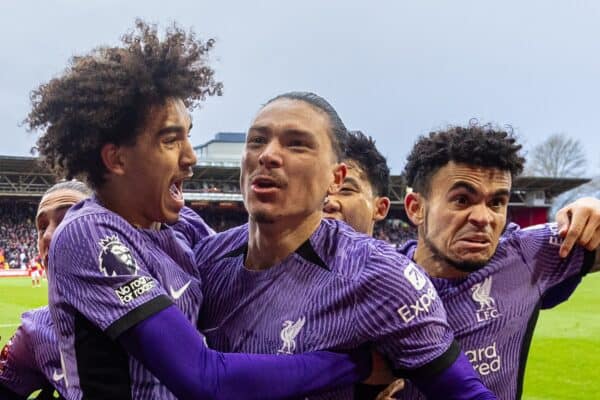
pixel 16 296
pixel 564 358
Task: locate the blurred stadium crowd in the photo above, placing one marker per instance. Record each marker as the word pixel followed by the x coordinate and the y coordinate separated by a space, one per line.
pixel 17 234
pixel 18 244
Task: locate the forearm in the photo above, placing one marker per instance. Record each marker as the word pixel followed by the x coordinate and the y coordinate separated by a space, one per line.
pixel 457 382
pixel 191 371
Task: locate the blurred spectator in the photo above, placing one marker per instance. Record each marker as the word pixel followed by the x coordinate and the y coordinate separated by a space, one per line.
pixel 211 187
pixel 397 232
pixel 221 220
pixel 18 239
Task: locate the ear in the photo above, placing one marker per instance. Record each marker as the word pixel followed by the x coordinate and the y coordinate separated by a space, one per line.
pixel 339 174
pixel 381 209
pixel 414 206
pixel 113 158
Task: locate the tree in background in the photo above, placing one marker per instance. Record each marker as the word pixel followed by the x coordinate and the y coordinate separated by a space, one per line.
pixel 557 156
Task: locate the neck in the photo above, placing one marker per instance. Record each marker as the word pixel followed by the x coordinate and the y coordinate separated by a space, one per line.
pixel 270 243
pixel 435 265
pixel 111 196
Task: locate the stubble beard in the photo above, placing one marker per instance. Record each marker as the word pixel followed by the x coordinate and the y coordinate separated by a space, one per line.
pixel 263 218
pixel 440 256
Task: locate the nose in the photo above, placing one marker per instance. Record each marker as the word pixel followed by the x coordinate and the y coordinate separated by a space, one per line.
pixel 331 205
pixel 188 155
pixel 480 215
pixel 270 157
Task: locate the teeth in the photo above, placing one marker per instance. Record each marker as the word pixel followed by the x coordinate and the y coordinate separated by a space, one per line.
pixel 175 192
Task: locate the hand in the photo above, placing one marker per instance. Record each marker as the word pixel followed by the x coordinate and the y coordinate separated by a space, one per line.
pixel 391 390
pixel 381 374
pixel 579 223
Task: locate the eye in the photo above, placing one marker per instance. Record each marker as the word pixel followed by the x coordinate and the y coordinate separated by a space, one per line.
pixel 297 143
pixel 498 203
pixel 460 200
pixel 42 228
pixel 347 190
pixel 256 140
pixel 170 139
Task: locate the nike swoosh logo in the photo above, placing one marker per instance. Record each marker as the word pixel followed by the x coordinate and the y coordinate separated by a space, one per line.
pixel 175 294
pixel 57 376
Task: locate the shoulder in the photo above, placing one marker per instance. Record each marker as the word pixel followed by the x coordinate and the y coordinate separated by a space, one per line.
pixel 532 237
pixel 88 221
pixel 192 224
pixel 90 213
pixel 37 317
pixel 37 325
pixel 221 244
pixel 356 255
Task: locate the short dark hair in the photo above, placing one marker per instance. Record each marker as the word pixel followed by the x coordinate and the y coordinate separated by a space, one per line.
pixel 338 133
pixel 104 96
pixel 361 150
pixel 478 145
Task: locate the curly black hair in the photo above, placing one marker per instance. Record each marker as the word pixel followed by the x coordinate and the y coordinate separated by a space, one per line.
pixel 104 96
pixel 338 133
pixel 478 145
pixel 361 150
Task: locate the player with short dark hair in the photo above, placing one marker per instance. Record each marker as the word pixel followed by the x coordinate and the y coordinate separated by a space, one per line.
pixel 30 360
pixel 492 277
pixel 361 202
pixel 363 198
pixel 290 281
pixel 123 291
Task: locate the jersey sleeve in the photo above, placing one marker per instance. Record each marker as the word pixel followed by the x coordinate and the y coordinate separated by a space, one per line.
pixel 400 311
pixel 18 368
pixel 99 268
pixel 555 277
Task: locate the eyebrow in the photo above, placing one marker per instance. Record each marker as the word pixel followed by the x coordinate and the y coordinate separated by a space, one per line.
pixel 173 128
pixel 471 189
pixel 292 131
pixel 259 128
pixel 44 213
pixel 351 181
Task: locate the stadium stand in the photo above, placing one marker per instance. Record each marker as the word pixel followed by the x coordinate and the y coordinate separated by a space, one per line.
pixel 395 231
pixel 214 193
pixel 17 233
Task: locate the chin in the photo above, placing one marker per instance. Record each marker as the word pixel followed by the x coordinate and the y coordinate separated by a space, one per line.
pixel 263 217
pixel 169 217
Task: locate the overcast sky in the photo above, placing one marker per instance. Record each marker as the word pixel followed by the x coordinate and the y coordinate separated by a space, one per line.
pixel 394 69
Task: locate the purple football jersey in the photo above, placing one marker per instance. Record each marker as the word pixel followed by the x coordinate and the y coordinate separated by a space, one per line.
pixel 494 310
pixel 30 360
pixel 339 290
pixel 104 277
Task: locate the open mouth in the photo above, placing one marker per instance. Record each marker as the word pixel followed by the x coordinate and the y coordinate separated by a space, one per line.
pixel 264 183
pixel 176 190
